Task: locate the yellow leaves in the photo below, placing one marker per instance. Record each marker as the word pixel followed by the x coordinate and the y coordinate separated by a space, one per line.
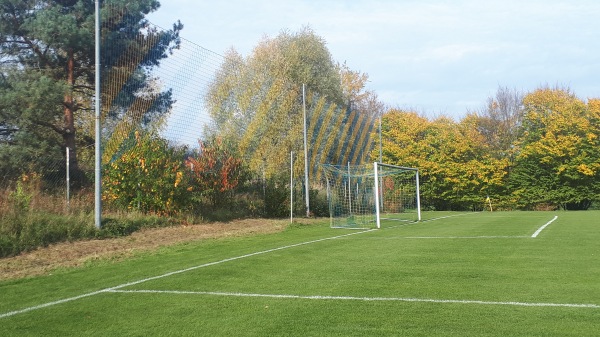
pixel 586 170
pixel 178 177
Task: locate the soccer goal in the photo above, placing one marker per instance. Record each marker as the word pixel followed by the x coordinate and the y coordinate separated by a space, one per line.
pixel 367 196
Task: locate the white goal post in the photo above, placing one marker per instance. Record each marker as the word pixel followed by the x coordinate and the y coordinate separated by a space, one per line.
pixel 404 199
pixel 364 196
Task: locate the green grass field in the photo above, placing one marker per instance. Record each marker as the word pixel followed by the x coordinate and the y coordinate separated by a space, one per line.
pixel 453 274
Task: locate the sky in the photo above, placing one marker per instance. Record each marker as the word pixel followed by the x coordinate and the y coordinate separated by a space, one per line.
pixel 437 57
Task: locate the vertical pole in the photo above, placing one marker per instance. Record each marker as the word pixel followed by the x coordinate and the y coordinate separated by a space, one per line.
pixel 418 197
pixel 380 158
pixel 329 203
pixel 98 152
pixel 306 187
pixel 68 180
pixel 377 217
pixel 380 142
pixel 349 190
pixel 291 186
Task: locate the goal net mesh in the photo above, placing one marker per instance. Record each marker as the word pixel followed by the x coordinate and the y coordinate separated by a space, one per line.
pixel 353 202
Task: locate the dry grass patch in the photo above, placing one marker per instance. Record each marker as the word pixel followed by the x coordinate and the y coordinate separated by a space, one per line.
pixel 74 254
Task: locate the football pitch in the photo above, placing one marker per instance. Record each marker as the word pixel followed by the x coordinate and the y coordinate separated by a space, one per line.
pixel 452 274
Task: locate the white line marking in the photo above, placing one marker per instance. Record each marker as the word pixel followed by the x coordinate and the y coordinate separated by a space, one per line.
pixel 449 216
pixel 544 226
pixel 353 298
pixel 428 220
pixel 466 237
pixel 41 306
pixel 16 312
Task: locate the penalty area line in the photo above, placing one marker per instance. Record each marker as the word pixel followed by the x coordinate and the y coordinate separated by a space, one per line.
pixel 544 226
pixel 365 299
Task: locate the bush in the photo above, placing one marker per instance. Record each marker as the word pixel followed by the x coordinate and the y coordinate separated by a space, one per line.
pixel 276 199
pixel 29 231
pixel 150 177
pixel 319 206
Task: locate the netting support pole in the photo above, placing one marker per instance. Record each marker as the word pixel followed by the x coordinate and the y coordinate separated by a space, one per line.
pixel 68 180
pixel 349 191
pixel 418 197
pixel 377 215
pixel 98 152
pixel 291 186
pixel 306 187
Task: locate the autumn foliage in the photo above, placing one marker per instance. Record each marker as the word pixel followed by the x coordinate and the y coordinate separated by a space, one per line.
pixel 148 177
pixel 216 171
pixel 543 154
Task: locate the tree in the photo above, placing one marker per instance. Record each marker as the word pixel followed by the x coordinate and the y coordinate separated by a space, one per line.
pixel 558 156
pixel 256 102
pixel 500 121
pixel 47 48
pixel 355 94
pixel 455 165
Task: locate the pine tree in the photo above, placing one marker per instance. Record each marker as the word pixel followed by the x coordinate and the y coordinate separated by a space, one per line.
pixel 47 76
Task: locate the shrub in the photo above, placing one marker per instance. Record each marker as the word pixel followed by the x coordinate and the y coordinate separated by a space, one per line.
pixel 149 177
pixel 216 172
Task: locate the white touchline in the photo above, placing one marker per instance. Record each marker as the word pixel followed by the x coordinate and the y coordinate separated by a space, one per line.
pixel 466 237
pixel 16 312
pixel 354 298
pixel 544 226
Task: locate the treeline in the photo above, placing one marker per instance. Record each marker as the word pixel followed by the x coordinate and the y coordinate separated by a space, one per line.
pixel 537 150
pixel 525 151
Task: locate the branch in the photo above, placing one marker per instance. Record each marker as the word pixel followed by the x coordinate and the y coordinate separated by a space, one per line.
pixel 59 130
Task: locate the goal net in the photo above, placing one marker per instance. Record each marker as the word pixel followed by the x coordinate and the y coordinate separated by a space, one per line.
pixel 354 203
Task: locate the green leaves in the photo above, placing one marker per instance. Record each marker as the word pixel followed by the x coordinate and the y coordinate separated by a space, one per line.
pixel 149 177
pixel 555 162
pixel 558 154
pixel 48 65
pixel 256 103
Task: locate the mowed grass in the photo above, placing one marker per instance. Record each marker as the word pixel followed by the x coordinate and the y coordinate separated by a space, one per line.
pixel 453 274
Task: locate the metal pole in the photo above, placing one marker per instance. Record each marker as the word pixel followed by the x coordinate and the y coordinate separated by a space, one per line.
pixel 349 190
pixel 418 196
pixel 380 142
pixel 291 186
pixel 377 210
pixel 306 187
pixel 380 158
pixel 68 180
pixel 98 152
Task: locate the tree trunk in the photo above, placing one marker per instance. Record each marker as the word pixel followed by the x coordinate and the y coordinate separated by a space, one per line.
pixel 69 120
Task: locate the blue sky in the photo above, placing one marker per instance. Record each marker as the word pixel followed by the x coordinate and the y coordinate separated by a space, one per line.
pixel 433 56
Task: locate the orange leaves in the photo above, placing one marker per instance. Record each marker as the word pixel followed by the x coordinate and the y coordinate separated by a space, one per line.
pixel 215 170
